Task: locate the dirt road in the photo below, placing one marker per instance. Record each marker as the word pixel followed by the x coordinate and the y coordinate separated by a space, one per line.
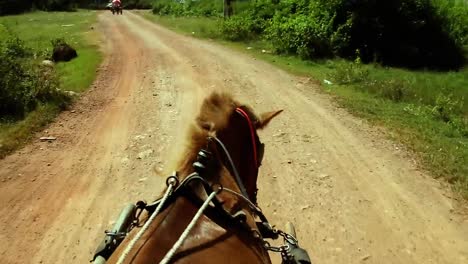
pixel 355 197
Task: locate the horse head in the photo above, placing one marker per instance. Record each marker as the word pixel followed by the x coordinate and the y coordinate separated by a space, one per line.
pixel 228 129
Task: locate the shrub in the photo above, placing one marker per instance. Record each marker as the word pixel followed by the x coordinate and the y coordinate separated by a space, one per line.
pixel 456 18
pixel 300 34
pixel 187 8
pixel 460 125
pixel 23 83
pixel 446 107
pixel 409 33
pixel 350 73
pixel 237 28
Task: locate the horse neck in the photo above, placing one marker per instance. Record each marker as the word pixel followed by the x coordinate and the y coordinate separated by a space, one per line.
pixel 242 156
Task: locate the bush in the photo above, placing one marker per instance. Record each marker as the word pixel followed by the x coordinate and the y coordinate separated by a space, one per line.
pixel 23 83
pixel 187 8
pixel 300 34
pixel 238 28
pixel 446 107
pixel 460 125
pixel 350 73
pixel 168 8
pixel 456 16
pixel 409 33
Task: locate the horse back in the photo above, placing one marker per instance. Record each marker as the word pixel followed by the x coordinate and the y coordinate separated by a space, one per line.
pixel 208 242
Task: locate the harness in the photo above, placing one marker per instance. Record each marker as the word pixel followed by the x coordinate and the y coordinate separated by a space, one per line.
pixel 290 252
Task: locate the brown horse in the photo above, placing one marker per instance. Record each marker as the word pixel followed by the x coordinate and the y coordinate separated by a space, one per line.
pixel 214 238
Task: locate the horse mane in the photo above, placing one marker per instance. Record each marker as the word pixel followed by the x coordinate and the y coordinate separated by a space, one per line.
pixel 214 115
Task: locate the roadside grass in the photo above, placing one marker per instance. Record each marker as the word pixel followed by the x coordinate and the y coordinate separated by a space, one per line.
pixel 201 27
pixel 15 134
pixel 37 30
pixel 425 110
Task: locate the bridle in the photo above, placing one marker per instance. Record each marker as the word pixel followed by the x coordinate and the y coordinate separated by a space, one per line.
pixel 265 230
pixel 257 150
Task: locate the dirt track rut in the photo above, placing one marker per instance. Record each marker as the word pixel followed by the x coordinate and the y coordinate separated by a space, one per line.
pixel 355 197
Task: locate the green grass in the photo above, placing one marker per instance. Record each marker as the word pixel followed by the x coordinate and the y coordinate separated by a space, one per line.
pixel 401 100
pixel 202 27
pixel 13 135
pixel 37 30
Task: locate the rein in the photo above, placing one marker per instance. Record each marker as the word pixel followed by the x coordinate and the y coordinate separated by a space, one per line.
pixel 265 230
pixel 174 186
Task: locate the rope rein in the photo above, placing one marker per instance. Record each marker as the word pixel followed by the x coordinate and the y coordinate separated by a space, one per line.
pixel 131 245
pixel 245 199
pixel 173 185
pixel 187 230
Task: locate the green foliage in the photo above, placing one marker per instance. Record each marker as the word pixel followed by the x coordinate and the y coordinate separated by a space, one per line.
pixel 350 73
pixel 406 102
pixel 446 107
pixel 238 28
pixel 460 125
pixel 394 89
pixel 202 27
pixel 456 14
pixel 408 33
pixel 32 87
pixel 188 8
pixel 24 84
pixel 13 47
pixel 304 35
pixel 58 42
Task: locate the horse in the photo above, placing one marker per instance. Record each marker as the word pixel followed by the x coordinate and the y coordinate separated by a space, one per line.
pixel 116 8
pixel 218 171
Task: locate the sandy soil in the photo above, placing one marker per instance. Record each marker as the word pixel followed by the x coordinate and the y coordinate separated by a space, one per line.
pixel 354 196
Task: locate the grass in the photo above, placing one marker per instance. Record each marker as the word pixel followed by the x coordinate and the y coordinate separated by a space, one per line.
pixel 427 111
pixel 202 27
pixel 13 135
pixel 37 30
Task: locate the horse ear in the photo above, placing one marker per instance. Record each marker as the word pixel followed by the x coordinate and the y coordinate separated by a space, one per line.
pixel 265 118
